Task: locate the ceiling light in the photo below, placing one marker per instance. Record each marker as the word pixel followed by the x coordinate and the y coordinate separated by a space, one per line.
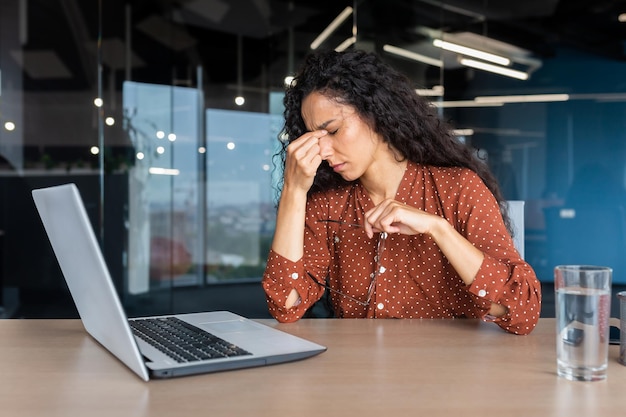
pixel 610 97
pixel 345 44
pixel 288 80
pixel 331 28
pixel 622 18
pixel 463 132
pixel 526 98
pixel 412 55
pixel 453 47
pixel 599 97
pixel 520 75
pixel 436 91
pixel 463 103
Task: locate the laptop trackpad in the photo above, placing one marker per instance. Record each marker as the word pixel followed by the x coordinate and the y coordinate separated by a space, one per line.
pixel 234 326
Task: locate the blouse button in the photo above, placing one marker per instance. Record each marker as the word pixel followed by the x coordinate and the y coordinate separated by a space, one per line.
pixel 482 293
pixel 294 275
pixel 380 306
pixel 382 269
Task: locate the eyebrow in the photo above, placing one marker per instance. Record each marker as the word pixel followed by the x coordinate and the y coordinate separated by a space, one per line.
pixel 325 124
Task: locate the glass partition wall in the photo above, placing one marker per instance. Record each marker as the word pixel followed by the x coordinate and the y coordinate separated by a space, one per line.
pixel 167 116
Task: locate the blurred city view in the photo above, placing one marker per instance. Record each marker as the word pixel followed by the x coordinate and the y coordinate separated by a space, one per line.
pixel 201 189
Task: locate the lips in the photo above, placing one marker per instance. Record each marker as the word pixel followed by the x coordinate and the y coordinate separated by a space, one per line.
pixel 337 167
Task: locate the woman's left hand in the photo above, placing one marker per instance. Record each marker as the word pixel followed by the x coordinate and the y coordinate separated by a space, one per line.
pixel 392 216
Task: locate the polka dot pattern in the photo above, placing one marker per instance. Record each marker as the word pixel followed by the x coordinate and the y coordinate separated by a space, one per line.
pixel 417 280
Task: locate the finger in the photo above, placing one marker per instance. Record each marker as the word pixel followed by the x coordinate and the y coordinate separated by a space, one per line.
pixel 318 133
pixel 306 144
pixel 310 137
pixel 386 217
pixel 372 218
pixel 306 164
pixel 368 228
pixel 304 149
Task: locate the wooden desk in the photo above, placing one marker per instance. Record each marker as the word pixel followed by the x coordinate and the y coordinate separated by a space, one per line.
pixel 372 367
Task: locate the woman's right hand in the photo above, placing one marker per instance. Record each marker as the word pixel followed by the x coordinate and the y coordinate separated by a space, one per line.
pixel 303 159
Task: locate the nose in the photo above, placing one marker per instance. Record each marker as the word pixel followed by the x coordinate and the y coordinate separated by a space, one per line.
pixel 326 149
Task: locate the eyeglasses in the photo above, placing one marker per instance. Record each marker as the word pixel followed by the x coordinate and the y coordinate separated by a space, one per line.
pixel 380 247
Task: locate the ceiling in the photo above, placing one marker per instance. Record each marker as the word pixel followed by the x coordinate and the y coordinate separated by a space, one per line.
pixel 171 38
pixel 52 46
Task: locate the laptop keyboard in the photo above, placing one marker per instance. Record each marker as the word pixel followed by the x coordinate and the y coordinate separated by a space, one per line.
pixel 182 341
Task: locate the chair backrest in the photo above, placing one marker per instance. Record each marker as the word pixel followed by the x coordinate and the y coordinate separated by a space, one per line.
pixel 516 214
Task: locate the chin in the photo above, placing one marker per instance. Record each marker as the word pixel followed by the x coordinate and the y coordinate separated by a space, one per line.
pixel 346 176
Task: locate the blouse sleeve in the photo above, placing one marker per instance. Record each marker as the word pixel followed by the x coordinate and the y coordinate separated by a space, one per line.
pixel 504 277
pixel 283 275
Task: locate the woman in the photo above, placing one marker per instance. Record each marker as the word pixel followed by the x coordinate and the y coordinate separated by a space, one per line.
pixel 383 206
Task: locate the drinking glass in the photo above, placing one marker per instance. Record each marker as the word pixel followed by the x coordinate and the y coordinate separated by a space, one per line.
pixel 583 307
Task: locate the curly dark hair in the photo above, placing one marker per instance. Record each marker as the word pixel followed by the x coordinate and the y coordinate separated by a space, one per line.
pixel 386 100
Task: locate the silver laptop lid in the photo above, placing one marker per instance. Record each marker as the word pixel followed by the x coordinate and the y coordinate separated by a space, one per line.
pixel 78 252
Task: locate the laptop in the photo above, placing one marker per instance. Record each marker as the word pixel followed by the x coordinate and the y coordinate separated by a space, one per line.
pixel 233 341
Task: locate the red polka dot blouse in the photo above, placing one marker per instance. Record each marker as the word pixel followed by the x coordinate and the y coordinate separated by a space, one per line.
pixel 412 278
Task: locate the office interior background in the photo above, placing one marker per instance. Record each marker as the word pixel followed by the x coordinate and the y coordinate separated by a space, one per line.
pixel 167 115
